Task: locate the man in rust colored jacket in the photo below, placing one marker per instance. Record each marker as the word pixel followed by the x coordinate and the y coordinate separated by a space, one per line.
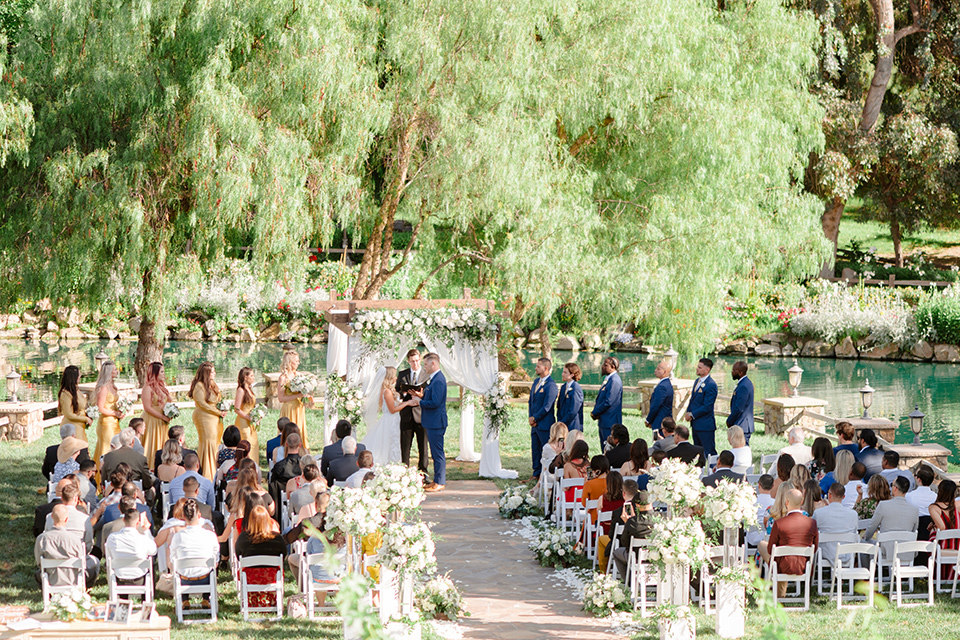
pixel 792 530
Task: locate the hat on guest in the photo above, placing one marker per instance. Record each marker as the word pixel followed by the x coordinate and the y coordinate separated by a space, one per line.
pixel 68 447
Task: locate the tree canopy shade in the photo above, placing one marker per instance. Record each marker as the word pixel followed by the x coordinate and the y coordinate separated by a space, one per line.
pixel 611 154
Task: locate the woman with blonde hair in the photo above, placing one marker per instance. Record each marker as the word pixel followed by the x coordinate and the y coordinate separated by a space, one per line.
pixel 155 397
pixel 799 475
pixel 107 395
pixel 552 449
pixel 243 402
pixel 291 404
pixel 383 438
pixel 73 405
pixel 170 458
pixel 742 455
pixel 841 471
pixel 207 418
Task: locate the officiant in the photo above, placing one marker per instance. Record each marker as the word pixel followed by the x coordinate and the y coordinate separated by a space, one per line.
pixel 410 425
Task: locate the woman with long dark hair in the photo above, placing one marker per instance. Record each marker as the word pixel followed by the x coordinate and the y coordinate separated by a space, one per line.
pixel 243 402
pixel 73 405
pixel 207 418
pixel 155 397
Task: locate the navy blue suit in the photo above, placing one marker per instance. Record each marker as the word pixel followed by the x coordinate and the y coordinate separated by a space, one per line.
pixel 741 407
pixel 433 417
pixel 543 396
pixel 704 423
pixel 570 406
pixel 661 404
pixel 608 409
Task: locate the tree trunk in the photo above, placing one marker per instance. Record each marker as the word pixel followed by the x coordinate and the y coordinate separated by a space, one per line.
pixel 153 326
pixel 546 344
pixel 897 237
pixel 149 348
pixel 830 221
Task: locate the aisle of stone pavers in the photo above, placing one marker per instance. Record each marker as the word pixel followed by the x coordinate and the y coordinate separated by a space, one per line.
pixel 509 596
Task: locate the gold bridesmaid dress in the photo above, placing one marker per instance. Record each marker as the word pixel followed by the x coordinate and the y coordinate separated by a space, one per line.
pixel 77 418
pixel 107 427
pixel 248 431
pixel 155 434
pixel 209 424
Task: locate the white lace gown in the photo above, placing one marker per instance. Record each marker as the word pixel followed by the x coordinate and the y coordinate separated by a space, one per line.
pixel 383 438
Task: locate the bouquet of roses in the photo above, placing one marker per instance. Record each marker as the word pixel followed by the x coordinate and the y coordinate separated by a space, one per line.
pixel 74 605
pixel 223 406
pixel 123 405
pixel 258 413
pixel 93 412
pixel 171 410
pixel 731 503
pixel 397 488
pixel 439 596
pixel 516 502
pixel 604 595
pixel 408 548
pixel 554 548
pixel 354 511
pixel 303 382
pixel 676 484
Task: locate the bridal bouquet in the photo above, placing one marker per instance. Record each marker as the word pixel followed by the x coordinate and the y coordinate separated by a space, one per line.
pixel 223 406
pixel 171 410
pixel 407 548
pixel 439 596
pixel 554 548
pixel 676 484
pixel 354 511
pixel 603 595
pixel 517 502
pixel 123 405
pixel 93 412
pixel 303 382
pixel 258 413
pixel 74 605
pixel 678 541
pixel 397 488
pixel 731 503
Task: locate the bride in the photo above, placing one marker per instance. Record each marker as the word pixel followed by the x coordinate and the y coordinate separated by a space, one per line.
pixel 383 438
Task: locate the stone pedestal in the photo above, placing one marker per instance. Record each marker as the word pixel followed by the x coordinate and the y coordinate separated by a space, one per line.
pixel 25 418
pixel 780 414
pixel 270 390
pixel 681 395
pixel 910 455
pixel 886 429
pixel 125 389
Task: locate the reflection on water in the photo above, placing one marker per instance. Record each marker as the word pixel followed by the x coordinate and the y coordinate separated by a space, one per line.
pixel 899 385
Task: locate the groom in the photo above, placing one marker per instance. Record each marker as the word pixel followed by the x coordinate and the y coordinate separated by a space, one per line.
pixel 433 417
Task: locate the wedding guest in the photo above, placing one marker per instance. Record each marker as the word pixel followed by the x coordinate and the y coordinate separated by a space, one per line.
pixel 846 432
pixel 72 405
pixel 572 438
pixel 892 470
pixel 764 502
pixel 176 432
pixel 194 541
pixel 260 537
pixel 287 468
pixel 878 490
pixel 661 400
pixel 637 517
pixel 823 459
pixel 667 442
pixel 596 482
pixel 333 451
pixel 59 543
pixel 250 478
pixel 923 496
pixel 292 403
pixel 797 450
pixel 273 443
pixel 67 430
pixel 553 448
pixel 78 522
pixel 139 471
pixel 812 498
pixel 191 463
pixel 841 470
pixel 741 403
pixel 107 395
pixel 792 530
pixel 299 530
pixel 834 518
pixel 608 407
pixel 779 507
pixel 365 464
pixel 742 455
pixel 570 397
pixel 138 426
pixel 67 453
pixel 132 542
pixel 619 446
pixel 543 397
pixel 700 410
pixel 869 455
pixel 612 498
pixel 688 453
pixel 243 402
pixel 86 481
pixel 785 465
pixel 346 465
pixel 577 466
pixel 286 448
pixel 854 486
pixel 943 512
pixel 724 471
pixel 306 494
pixel 231 466
pixel 799 475
pixel 629 492
pixel 171 461
pixel 295 483
pixel 207 418
pixel 228 447
pixel 638 460
pixel 895 514
pixel 155 397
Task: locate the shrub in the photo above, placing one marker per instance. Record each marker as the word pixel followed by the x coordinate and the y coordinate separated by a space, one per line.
pixel 938 316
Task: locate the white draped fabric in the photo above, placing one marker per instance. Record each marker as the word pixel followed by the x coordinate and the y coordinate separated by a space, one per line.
pixel 337 351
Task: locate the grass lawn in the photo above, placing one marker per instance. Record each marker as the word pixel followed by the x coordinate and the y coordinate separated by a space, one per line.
pixel 872 234
pixel 21 491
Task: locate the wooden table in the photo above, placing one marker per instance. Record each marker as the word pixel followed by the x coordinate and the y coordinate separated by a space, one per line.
pixel 157 629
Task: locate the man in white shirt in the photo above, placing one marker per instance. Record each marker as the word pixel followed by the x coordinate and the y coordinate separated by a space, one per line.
pixel 891 469
pixel 78 522
pixel 764 502
pixel 191 463
pixel 194 541
pixel 923 496
pixel 365 462
pixel 132 542
pixel 854 484
pixel 835 518
pixel 800 451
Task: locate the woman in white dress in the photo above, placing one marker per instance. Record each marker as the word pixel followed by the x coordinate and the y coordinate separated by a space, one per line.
pixel 383 438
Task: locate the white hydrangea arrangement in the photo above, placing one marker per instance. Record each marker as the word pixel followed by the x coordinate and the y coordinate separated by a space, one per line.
pixel 554 548
pixel 354 511
pixel 731 504
pixel 678 541
pixel 603 595
pixel 258 413
pixel 495 405
pixel 517 502
pixel 223 405
pixel 408 548
pixel 347 400
pixel 440 597
pixel 124 405
pixel 303 382
pixel 93 412
pixel 382 327
pixel 73 605
pixel 397 488
pixel 676 484
pixel 171 410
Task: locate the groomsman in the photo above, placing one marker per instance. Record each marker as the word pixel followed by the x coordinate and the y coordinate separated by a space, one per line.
pixel 661 400
pixel 608 409
pixel 543 396
pixel 741 404
pixel 700 414
pixel 410 421
pixel 433 414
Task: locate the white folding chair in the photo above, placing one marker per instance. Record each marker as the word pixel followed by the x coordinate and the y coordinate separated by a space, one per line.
pixel 711 463
pixel 275 587
pixel 902 569
pixel 714 562
pixel 164 501
pixel 144 567
pixel 768 459
pixel 801 580
pixel 208 591
pixel 340 483
pixel 76 565
pixel 566 521
pixel 613 546
pixel 51 491
pixel 232 560
pixel 886 541
pixel 825 562
pixel 582 522
pixel 312 587
pixel 594 531
pixel 642 576
pixel 752 478
pixel 863 524
pixel 284 507
pixel 867 554
pixel 946 558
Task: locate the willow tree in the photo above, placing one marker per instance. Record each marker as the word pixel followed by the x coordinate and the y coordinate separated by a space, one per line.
pixel 163 124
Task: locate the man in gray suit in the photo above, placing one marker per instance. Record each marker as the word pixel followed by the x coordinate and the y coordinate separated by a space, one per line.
pixel 895 514
pixel 835 518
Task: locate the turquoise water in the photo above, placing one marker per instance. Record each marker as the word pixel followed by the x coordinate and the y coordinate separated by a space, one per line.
pixel 899 385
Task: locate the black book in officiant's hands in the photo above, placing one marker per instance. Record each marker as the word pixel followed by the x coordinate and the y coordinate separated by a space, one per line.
pixel 407 388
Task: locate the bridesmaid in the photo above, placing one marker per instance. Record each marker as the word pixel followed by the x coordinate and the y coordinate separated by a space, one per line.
pixel 107 396
pixel 155 396
pixel 207 418
pixel 73 405
pixel 242 404
pixel 291 404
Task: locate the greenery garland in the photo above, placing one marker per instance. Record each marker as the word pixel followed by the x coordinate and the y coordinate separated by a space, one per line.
pixel 381 329
pixel 346 400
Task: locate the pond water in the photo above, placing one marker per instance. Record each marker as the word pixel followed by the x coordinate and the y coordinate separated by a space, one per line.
pixel 899 385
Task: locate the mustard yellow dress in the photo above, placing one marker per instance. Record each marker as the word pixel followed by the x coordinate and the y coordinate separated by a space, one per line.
pixel 248 431
pixel 155 434
pixel 209 424
pixel 296 412
pixel 77 418
pixel 107 427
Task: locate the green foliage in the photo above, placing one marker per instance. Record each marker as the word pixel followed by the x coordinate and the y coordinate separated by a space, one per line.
pixel 938 316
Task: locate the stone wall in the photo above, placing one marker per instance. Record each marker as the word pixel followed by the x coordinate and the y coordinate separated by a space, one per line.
pixel 788 345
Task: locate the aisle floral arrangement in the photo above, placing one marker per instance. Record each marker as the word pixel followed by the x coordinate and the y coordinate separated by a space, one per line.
pixel 676 484
pixel 439 597
pixel 731 504
pixel 408 548
pixel 347 400
pixel 517 502
pixel 678 541
pixel 397 487
pixel 354 511
pixel 554 548
pixel 604 594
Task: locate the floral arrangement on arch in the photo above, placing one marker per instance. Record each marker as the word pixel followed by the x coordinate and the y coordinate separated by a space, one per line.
pixel 495 405
pixel 603 595
pixel 731 504
pixel 439 596
pixel 676 484
pixel 73 605
pixel 408 548
pixel 397 488
pixel 517 502
pixel 678 541
pixel 554 548
pixel 383 328
pixel 354 511
pixel 347 400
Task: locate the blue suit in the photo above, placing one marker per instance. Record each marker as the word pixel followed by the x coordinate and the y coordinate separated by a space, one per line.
pixel 741 407
pixel 570 406
pixel 704 423
pixel 433 417
pixel 608 409
pixel 540 408
pixel 661 404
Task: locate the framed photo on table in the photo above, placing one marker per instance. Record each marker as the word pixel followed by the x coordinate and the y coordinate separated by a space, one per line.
pixel 118 612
